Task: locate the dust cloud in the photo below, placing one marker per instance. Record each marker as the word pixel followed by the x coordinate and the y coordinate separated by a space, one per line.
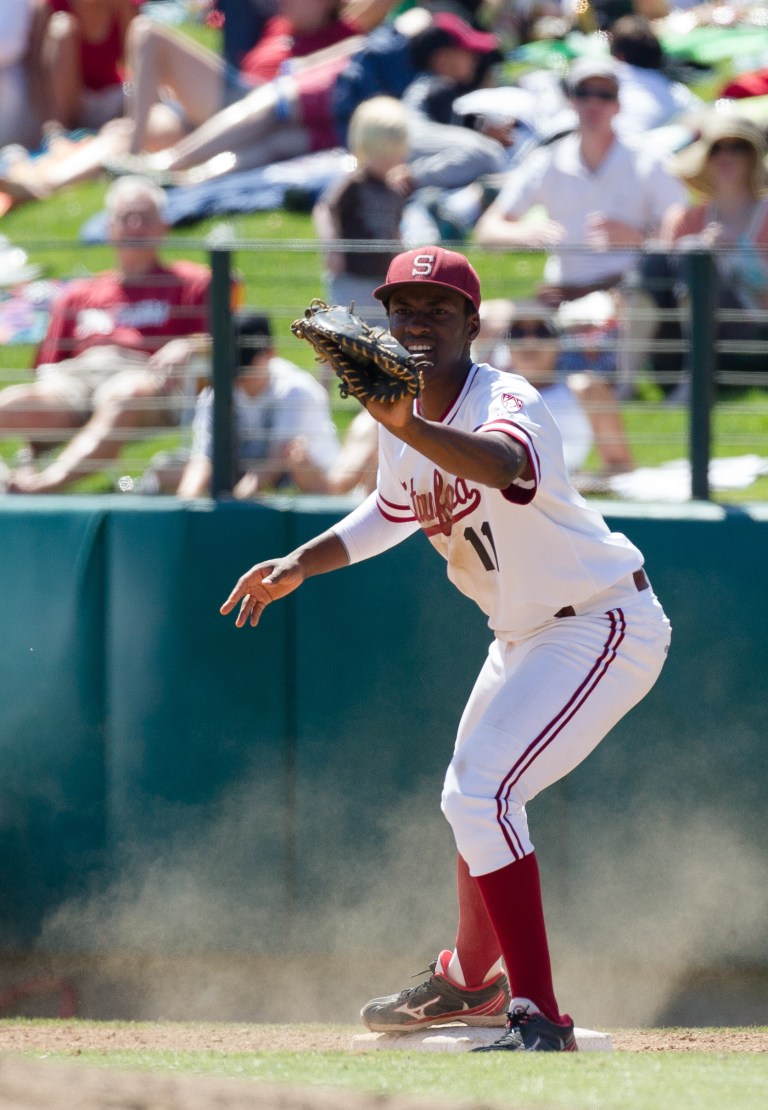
pixel 655 906
pixel 251 911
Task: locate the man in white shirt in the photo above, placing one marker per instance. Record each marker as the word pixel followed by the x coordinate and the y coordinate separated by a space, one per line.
pixel 275 405
pixel 601 198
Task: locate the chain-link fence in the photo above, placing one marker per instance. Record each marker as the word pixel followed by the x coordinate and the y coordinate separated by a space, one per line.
pixel 683 360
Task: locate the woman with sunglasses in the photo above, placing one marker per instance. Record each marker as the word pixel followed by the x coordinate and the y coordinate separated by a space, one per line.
pixel 528 341
pixel 725 169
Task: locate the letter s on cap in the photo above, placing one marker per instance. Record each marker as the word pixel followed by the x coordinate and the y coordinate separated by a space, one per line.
pixel 422 265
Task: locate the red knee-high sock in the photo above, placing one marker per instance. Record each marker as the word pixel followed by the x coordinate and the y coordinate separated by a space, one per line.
pixel 512 896
pixel 476 943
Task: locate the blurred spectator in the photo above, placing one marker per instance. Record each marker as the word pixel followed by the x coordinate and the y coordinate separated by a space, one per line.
pixel 725 167
pixel 363 206
pixel 647 97
pixel 243 25
pixel 426 62
pixel 503 114
pixel 301 111
pixel 353 470
pixel 77 80
pixel 295 113
pixel 601 199
pixel 122 351
pixel 450 58
pixel 275 404
pixel 176 84
pixel 68 161
pixel 78 61
pixel 304 45
pixel 525 339
pixel 16 125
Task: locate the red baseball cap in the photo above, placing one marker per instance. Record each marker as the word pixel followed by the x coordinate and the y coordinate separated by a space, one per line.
pixel 432 266
pixel 479 42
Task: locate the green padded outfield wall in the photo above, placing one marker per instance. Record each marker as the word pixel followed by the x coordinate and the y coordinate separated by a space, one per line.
pixel 53 786
pixel 172 782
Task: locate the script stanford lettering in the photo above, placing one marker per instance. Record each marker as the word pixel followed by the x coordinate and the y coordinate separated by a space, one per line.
pixel 439 508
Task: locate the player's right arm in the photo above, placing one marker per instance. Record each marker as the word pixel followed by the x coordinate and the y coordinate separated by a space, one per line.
pixel 275 578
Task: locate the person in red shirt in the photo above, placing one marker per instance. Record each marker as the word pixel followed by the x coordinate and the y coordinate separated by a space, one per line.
pixel 121 352
pixel 77 60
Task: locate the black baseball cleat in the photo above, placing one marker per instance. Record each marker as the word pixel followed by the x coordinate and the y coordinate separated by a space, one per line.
pixel 438 1001
pixel 529 1031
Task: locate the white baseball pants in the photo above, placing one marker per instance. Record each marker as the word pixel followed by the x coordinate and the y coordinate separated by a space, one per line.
pixel 539 707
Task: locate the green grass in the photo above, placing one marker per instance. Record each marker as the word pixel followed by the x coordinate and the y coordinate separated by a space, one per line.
pixel 621 1080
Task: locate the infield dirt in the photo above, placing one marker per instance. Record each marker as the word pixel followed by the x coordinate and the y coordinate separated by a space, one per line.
pixel 35 1084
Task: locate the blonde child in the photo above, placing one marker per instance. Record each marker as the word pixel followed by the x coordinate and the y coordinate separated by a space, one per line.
pixel 365 207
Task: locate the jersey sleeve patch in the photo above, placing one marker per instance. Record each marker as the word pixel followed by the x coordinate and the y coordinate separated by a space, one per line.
pixel 522 490
pixel 511 402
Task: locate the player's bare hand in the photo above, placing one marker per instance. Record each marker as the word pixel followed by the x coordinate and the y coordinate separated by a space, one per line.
pixel 261 585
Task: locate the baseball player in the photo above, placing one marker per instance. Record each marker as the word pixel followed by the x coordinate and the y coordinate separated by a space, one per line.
pixel 476 463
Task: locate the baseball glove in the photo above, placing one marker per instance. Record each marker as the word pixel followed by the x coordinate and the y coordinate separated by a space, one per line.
pixel 369 362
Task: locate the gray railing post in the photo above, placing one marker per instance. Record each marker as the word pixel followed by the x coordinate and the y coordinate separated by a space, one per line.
pixel 222 364
pixel 702 284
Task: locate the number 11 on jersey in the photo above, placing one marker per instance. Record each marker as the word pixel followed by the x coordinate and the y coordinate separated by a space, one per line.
pixel 487 558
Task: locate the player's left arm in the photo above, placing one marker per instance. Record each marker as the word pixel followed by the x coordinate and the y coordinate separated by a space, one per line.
pixel 268 581
pixel 492 458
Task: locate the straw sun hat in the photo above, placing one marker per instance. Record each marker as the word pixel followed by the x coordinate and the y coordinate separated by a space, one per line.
pixel 690 164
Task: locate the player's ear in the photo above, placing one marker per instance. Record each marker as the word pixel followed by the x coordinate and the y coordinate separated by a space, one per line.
pixel 473 326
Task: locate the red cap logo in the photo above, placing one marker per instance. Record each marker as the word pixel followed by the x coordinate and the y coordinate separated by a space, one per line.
pixel 432 266
pixel 423 264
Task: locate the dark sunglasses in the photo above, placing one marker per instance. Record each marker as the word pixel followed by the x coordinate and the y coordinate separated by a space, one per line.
pixel 731 146
pixel 530 331
pixel 594 94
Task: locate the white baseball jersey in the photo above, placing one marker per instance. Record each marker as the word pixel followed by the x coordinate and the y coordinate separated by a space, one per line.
pixel 521 553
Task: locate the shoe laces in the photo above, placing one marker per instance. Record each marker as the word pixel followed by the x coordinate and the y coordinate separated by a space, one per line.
pixel 520 1016
pixel 517 1020
pixel 514 1033
pixel 409 992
